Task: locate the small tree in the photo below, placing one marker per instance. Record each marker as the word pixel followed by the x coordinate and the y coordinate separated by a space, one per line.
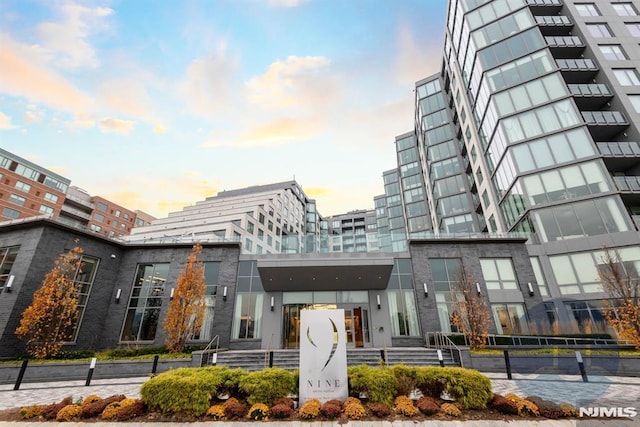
pixel 50 320
pixel 470 311
pixel 623 310
pixel 186 309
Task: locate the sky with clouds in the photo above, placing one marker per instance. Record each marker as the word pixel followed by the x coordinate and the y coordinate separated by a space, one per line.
pixel 156 104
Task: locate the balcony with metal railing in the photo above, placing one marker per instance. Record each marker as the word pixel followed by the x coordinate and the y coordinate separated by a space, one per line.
pixel 557 25
pixel 565 46
pixel 605 124
pixel 75 213
pixel 577 70
pixel 627 184
pixel 544 7
pixel 619 156
pixel 590 96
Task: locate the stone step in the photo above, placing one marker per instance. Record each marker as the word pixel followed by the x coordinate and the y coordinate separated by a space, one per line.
pixel 252 360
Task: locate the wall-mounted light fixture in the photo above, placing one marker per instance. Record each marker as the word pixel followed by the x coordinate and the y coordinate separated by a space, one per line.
pixel 378 301
pixel 426 291
pixel 478 288
pixel 172 291
pixel 530 286
pixel 224 294
pixel 113 256
pixel 9 284
pixel 118 293
pixel 272 303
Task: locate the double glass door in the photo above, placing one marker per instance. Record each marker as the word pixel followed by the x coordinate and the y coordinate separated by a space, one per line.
pixel 356 321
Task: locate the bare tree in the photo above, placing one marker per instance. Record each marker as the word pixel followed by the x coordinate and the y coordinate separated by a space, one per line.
pixel 623 307
pixel 470 311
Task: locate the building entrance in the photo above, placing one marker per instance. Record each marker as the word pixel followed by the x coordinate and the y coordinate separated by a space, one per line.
pixel 356 319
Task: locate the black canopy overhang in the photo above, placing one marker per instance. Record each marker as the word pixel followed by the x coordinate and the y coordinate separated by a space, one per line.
pixel 325 275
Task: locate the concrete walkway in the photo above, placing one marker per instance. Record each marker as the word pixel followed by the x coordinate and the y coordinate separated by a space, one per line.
pixel 599 391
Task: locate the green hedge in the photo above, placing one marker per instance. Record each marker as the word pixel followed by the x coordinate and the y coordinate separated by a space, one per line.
pixel 469 387
pixel 379 383
pixel 184 390
pixel 268 385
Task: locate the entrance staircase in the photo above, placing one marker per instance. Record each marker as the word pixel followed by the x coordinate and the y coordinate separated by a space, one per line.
pixel 253 360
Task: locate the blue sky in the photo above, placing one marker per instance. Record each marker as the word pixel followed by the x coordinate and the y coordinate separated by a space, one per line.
pixel 158 104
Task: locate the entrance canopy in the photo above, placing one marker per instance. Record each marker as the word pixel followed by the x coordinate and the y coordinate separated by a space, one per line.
pixel 324 273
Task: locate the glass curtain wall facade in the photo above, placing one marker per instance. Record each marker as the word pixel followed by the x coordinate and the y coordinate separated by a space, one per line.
pixel 532 126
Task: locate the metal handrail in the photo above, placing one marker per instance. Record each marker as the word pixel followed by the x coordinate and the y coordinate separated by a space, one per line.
pixel 442 341
pixel 207 350
pixel 493 340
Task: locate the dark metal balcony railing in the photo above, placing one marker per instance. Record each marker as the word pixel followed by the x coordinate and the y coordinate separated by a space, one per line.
pixel 591 89
pixel 604 118
pixel 619 149
pixel 564 41
pixel 627 183
pixel 553 20
pixel 544 2
pixel 577 65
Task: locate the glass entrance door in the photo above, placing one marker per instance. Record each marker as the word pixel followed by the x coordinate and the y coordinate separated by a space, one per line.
pixel 356 321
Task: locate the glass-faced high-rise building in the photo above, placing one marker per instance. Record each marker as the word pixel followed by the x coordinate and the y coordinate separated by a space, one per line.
pixel 532 126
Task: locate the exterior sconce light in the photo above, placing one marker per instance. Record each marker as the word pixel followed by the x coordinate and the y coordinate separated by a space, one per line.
pixel 478 288
pixel 9 284
pixel 530 286
pixel 118 296
pixel 272 303
pixel 172 291
pixel 378 301
pixel 224 294
pixel 426 291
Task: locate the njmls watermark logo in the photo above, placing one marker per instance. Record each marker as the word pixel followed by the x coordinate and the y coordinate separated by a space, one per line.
pixel 608 412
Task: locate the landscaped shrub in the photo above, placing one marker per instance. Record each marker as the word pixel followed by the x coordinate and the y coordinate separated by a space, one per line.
pixel 524 406
pixel 504 405
pixel 267 385
pixel 112 409
pixel 233 408
pixel 354 410
pixel 285 401
pixel 50 412
pixel 231 379
pixel 310 409
pixel 470 388
pixel 379 410
pixel 92 398
pixel 547 408
pixel 568 409
pixel 379 383
pixel 68 413
pixel 428 405
pixel 450 409
pixel 258 411
pixel 403 405
pixel 280 411
pixel 216 412
pixel 183 390
pixel 94 409
pixel 331 410
pixel 132 410
pixel 336 402
pixel 28 412
pixel 406 378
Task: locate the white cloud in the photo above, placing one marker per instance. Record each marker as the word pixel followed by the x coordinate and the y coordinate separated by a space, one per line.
pixel 415 59
pixel 67 38
pixel 300 81
pixel 286 3
pixel 5 122
pixel 110 124
pixel 128 97
pixel 24 74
